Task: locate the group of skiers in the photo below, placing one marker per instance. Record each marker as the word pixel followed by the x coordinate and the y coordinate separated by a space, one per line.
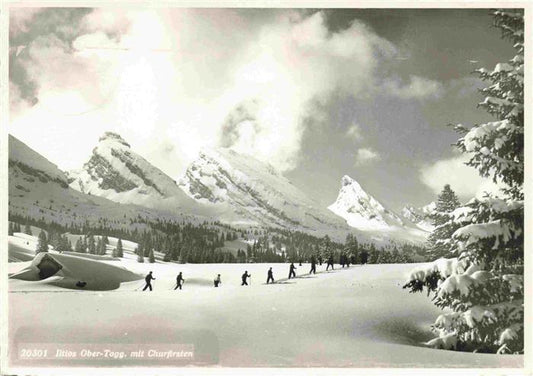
pixel 218 281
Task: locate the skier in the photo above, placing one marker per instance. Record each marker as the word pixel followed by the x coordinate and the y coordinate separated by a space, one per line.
pixel 270 276
pixel 217 280
pixel 347 261
pixel 342 260
pixel 179 281
pixel 148 280
pixel 292 269
pixel 313 265
pixel 330 263
pixel 244 276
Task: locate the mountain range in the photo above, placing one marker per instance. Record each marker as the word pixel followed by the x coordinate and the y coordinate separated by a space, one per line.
pixel 220 184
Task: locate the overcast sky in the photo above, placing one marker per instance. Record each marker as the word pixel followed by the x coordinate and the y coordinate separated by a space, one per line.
pixel 316 93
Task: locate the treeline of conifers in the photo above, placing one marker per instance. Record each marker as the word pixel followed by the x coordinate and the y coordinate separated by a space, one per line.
pixel 211 242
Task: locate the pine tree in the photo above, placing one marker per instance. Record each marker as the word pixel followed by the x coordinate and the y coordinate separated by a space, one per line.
pixel 120 252
pixel 78 247
pixel 363 256
pixel 91 246
pixel 352 248
pixel 98 250
pixel 103 248
pixel 10 229
pixel 42 243
pixel 447 202
pixel 151 258
pixel 483 286
pixel 62 244
pixel 140 254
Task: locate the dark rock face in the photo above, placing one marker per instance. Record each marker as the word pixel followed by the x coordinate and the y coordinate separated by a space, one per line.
pixel 200 190
pixel 113 136
pixel 127 159
pixel 42 176
pixel 111 152
pixel 100 168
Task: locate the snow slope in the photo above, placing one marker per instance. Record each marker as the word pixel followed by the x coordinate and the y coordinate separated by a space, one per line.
pixel 27 160
pixel 38 189
pixel 253 192
pixel 356 317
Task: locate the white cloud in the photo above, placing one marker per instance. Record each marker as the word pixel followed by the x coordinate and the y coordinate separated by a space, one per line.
pixel 416 88
pixel 464 180
pixel 366 155
pixel 173 78
pixel 354 132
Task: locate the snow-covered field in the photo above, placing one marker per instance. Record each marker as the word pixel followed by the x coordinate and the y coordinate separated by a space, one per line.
pixel 356 317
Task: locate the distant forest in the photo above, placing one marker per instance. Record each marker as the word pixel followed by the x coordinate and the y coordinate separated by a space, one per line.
pixel 215 242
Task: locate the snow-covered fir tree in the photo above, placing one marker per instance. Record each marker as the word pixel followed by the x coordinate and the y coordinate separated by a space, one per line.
pixel 91 245
pixel 103 248
pixel 140 253
pixel 79 248
pixel 483 285
pixel 99 246
pixel 120 252
pixel 42 243
pixel 446 203
pixel 352 248
pixel 62 244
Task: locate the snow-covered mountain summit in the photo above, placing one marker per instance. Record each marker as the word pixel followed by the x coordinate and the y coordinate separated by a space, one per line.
pixel 253 190
pixel 361 210
pixel 116 172
pixel 420 216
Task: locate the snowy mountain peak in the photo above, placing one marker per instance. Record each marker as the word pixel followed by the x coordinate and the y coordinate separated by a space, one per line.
pixel 360 209
pixel 253 192
pixel 346 180
pixel 420 216
pixel 113 137
pixel 116 172
pixel 429 208
pixel 411 214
